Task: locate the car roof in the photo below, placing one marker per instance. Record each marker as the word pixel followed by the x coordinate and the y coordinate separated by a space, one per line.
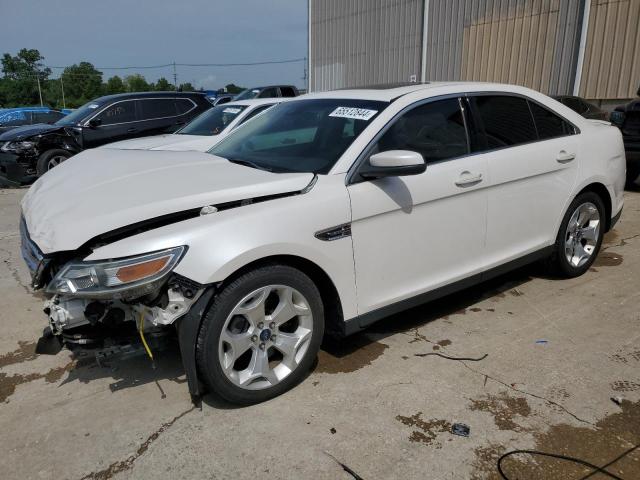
pixel 124 96
pixel 27 109
pixel 390 92
pixel 256 101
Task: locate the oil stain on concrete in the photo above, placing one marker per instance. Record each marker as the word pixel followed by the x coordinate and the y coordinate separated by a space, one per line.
pixel 8 383
pixel 505 410
pixel 349 356
pixel 613 440
pixel 426 431
pixel 25 352
pixel 608 259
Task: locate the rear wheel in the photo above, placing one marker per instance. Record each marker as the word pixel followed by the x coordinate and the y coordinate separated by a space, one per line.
pixel 51 159
pixel 580 236
pixel 261 334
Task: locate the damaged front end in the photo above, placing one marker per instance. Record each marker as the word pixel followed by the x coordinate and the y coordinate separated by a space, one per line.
pixel 120 307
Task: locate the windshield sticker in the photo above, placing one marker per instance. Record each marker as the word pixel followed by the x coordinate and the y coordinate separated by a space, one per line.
pixel 93 105
pixel 231 110
pixel 354 113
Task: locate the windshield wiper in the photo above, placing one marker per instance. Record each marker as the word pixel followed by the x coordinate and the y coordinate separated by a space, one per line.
pixel 247 163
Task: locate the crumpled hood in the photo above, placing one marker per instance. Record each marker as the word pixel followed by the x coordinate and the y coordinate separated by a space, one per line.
pixel 27 131
pixel 173 142
pixel 100 190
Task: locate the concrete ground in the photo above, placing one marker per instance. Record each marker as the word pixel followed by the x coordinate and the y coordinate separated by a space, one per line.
pixel 557 351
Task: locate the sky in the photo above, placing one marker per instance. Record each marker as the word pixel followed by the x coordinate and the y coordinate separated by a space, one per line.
pixel 120 33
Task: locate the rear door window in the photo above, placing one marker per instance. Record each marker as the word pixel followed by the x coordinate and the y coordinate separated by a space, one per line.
pixel 269 93
pixel 506 120
pixel 13 119
pixel 120 112
pixel 184 105
pixel 46 117
pixel 436 130
pixel 157 108
pixel 548 124
pixel 287 92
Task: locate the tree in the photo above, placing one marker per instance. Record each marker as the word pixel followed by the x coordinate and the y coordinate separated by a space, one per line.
pixel 82 82
pixel 163 85
pixel 21 74
pixel 114 85
pixel 186 87
pixel 233 88
pixel 136 83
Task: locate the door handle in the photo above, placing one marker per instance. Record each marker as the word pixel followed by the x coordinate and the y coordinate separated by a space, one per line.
pixel 467 179
pixel 564 157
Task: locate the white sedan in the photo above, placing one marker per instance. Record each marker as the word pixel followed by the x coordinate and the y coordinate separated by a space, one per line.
pixel 204 131
pixel 320 216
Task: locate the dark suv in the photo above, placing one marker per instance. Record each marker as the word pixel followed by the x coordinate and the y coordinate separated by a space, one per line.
pixel 627 118
pixel 28 152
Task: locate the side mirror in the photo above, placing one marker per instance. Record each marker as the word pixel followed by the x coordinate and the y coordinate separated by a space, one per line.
pixel 95 122
pixel 393 163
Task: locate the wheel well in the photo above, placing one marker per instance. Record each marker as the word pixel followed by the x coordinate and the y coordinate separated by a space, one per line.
pixel 334 318
pixel 600 190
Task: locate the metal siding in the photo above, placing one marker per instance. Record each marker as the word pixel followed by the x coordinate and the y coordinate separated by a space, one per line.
pixel 363 42
pixel 527 42
pixel 611 67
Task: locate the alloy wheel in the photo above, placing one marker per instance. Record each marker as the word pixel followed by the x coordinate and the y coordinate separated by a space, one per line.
pixel 265 337
pixel 582 234
pixel 55 161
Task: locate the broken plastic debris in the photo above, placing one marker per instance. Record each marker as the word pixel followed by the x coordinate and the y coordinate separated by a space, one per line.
pixel 617 400
pixel 542 342
pixel 460 429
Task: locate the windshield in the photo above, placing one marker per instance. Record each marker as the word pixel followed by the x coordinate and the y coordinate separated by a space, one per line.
pixel 213 121
pixel 247 94
pixel 80 114
pixel 299 136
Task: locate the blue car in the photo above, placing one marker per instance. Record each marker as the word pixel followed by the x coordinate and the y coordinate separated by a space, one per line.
pixel 15 117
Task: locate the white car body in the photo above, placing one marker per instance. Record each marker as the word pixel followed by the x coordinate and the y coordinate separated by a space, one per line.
pixel 398 240
pixel 178 142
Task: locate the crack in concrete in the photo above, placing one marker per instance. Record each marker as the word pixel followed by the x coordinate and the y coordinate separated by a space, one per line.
pixel 621 243
pixel 127 463
pixel 524 392
pixel 8 261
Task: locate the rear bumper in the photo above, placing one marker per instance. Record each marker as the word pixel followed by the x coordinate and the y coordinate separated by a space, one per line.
pixel 15 170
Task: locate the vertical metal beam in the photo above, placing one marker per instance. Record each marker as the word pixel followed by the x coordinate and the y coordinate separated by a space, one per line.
pixel 425 34
pixel 583 43
pixel 308 46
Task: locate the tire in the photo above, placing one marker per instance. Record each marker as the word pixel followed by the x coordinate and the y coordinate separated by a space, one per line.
pixel 50 159
pixel 233 349
pixel 580 236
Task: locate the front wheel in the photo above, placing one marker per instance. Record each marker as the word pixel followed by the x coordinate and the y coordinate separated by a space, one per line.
pixel 261 335
pixel 51 159
pixel 580 236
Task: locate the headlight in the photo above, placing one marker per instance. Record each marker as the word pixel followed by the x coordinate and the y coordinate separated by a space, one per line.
pixel 124 278
pixel 17 146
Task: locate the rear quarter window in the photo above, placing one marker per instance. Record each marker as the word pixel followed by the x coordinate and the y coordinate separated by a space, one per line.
pixel 549 124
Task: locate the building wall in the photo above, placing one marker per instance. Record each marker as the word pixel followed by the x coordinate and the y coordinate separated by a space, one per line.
pixel 526 42
pixel 364 42
pixel 534 43
pixel 612 56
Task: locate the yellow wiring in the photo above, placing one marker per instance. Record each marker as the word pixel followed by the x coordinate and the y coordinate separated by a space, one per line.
pixel 144 342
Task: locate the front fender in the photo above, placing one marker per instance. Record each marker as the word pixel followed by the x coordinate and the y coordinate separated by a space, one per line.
pixel 223 242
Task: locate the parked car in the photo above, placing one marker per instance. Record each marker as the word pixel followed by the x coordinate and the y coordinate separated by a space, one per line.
pixel 11 118
pixel 30 151
pixel 204 131
pixel 627 118
pixel 271 91
pixel 221 98
pixel 581 106
pixel 253 251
